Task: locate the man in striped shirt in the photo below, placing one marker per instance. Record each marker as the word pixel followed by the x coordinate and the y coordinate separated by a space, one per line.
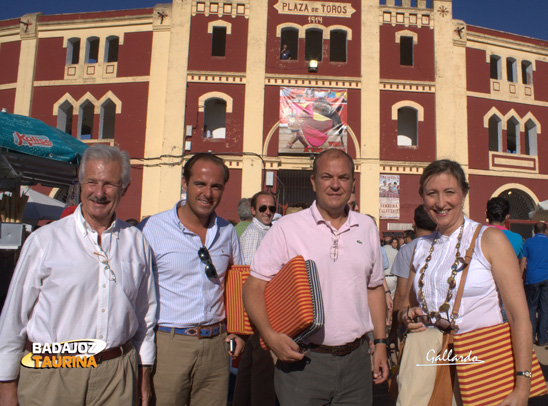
pixel 193 249
pixel 255 380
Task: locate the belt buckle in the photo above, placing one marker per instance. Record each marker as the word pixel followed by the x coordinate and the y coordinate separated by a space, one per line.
pixel 98 358
pixel 207 332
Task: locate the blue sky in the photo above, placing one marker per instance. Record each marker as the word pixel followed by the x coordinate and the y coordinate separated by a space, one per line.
pixel 524 17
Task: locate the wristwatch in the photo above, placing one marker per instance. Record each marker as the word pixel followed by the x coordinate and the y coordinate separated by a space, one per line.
pixel 526 374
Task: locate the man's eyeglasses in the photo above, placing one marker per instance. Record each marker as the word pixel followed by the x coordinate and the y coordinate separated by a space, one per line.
pixel 441 323
pixel 263 208
pixel 107 270
pixel 210 270
pixel 334 252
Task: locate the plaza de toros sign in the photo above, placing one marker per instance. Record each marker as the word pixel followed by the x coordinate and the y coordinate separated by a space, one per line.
pixel 315 8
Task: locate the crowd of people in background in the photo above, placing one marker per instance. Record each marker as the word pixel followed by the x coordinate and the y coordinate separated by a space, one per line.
pixel 154 291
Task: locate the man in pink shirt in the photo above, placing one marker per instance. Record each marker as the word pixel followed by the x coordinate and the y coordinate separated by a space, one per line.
pixel 336 366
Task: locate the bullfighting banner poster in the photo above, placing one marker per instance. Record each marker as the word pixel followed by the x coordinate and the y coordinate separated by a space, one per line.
pixel 389 195
pixel 312 120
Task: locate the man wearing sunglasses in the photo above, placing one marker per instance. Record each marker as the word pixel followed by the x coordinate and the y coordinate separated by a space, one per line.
pixel 193 249
pixel 255 380
pixel 86 276
pixel 335 367
pixel 263 209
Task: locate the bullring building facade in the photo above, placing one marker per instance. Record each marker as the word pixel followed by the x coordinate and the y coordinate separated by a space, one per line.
pixel 269 84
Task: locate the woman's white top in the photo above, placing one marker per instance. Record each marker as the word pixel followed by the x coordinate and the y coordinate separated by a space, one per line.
pixel 480 301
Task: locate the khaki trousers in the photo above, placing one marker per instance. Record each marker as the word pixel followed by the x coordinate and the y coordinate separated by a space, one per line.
pixel 112 383
pixel 191 371
pixel 415 383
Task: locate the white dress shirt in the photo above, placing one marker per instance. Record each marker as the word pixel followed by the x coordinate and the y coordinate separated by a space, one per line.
pixel 62 290
pixel 251 239
pixel 187 298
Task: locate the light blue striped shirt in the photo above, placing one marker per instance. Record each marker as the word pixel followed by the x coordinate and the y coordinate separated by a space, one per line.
pixel 187 298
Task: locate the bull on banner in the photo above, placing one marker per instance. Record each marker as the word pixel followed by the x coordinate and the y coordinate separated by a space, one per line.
pixel 312 120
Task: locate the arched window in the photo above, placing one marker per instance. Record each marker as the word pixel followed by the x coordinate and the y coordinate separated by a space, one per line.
pixel 108 118
pixel 85 121
pixel 337 46
pixel 406 50
pixel 290 37
pixel 215 118
pixel 495 134
pixel 407 126
pixel 92 50
pixel 73 51
pixel 313 44
pixel 64 117
pixel 495 67
pixel 521 204
pixel 512 136
pixel 527 72
pixel 111 49
pixel 531 138
pixel 511 72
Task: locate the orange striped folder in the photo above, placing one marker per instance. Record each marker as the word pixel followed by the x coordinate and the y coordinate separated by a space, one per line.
pixel 294 300
pixel 488 383
pixel 237 320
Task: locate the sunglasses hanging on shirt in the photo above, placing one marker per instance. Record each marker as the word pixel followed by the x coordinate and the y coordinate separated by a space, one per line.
pixel 210 270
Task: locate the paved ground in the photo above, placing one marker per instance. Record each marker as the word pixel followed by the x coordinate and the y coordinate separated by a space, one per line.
pixel 381 397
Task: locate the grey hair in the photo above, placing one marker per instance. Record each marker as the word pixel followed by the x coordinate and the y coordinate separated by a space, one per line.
pixel 244 209
pixel 106 153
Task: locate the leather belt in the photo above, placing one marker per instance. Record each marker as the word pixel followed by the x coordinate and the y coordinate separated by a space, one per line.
pixel 104 355
pixel 210 331
pixel 339 350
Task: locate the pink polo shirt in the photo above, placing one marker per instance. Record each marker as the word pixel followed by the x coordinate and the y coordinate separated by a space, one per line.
pixel 344 280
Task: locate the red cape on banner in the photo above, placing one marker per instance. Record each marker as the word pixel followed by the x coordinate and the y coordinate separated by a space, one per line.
pixel 312 120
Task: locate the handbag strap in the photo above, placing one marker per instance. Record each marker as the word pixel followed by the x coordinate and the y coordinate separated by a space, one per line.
pixel 467 260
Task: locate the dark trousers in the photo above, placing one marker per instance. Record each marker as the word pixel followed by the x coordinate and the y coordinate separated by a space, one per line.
pixel 325 379
pixel 255 379
pixel 537 300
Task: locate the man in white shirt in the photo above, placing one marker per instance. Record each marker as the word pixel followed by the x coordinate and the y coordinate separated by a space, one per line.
pixel 391 253
pixel 87 276
pixel 193 248
pixel 255 380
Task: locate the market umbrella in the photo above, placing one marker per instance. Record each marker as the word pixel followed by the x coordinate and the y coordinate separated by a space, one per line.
pixel 540 213
pixel 41 207
pixel 33 152
pixel 30 136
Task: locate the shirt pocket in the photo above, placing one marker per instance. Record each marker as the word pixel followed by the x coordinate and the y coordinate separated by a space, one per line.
pixel 130 277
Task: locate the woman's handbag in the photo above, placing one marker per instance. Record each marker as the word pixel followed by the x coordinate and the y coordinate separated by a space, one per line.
pixel 490 381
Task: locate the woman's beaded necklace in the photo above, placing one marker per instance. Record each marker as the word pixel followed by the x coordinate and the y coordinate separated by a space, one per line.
pixel 451 282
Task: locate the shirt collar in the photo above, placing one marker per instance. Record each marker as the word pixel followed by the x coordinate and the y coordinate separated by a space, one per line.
pixel 259 224
pixel 541 235
pixel 499 227
pixel 351 221
pixel 175 217
pixel 84 227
